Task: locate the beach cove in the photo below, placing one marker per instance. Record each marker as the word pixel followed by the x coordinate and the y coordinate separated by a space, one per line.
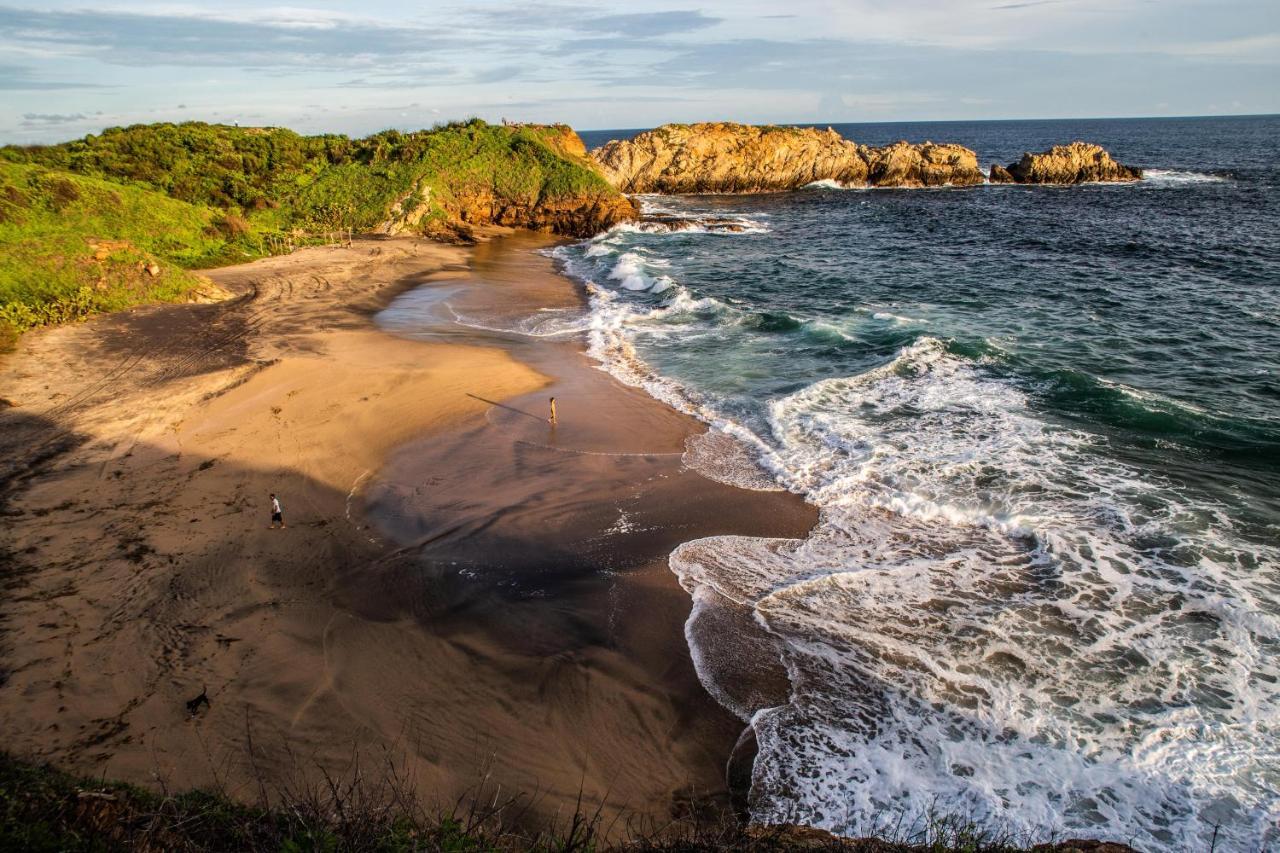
pixel 463 592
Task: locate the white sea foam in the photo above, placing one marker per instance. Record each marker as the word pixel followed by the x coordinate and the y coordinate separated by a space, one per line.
pixel 978 625
pixel 988 619
pixel 721 457
pixel 897 319
pixel 1177 177
pixel 829 184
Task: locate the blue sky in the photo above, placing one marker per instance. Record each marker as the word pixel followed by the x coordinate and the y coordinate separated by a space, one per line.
pixel 69 67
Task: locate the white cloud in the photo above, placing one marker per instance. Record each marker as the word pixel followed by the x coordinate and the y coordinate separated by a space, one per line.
pixel 616 63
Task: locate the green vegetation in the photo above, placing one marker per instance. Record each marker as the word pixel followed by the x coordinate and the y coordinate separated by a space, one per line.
pixel 43 810
pixel 189 196
pixel 74 245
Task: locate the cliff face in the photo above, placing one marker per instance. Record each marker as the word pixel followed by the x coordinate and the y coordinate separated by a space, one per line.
pixel 1076 163
pixel 544 181
pixel 561 139
pixel 579 215
pixel 738 158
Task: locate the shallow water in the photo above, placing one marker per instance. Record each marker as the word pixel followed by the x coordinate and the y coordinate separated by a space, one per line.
pixel 1043 427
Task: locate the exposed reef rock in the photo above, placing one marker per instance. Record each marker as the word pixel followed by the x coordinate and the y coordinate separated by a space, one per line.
pixel 1000 175
pixel 928 165
pixel 1077 163
pixel 737 158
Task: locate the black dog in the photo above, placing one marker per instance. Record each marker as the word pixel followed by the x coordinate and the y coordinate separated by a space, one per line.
pixel 193 705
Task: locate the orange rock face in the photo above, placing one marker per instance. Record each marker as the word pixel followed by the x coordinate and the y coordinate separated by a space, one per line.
pixel 723 157
pixel 1076 163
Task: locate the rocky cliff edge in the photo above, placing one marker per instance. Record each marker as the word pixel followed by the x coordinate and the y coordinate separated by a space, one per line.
pixel 723 157
pixel 739 158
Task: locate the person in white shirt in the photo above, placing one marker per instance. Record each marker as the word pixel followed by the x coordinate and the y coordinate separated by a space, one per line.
pixel 276 513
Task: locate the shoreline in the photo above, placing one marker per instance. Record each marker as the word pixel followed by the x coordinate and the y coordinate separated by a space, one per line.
pixel 148 573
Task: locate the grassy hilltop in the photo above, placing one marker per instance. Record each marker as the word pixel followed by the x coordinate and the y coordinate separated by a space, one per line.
pixel 120 218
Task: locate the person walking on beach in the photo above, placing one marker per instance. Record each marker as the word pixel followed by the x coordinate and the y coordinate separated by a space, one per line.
pixel 552 419
pixel 276 513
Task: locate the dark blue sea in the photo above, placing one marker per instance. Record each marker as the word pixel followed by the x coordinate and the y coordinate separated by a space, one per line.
pixel 1042 425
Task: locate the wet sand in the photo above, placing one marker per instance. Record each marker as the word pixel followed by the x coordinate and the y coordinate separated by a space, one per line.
pixel 463 588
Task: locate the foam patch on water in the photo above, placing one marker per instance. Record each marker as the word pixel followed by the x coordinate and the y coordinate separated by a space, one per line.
pixel 981 625
pixel 1178 177
pixel 720 457
pixel 896 319
pixel 994 617
pixel 830 184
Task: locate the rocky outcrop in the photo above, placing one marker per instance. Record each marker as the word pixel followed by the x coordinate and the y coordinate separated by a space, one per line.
pixel 561 139
pixel 724 157
pixel 1000 175
pixel 582 215
pixel 544 181
pixel 574 216
pixel 1076 163
pixel 927 165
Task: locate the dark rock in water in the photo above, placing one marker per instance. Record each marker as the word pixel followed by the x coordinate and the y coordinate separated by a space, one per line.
pixel 1000 175
pixel 1077 163
pixel 675 222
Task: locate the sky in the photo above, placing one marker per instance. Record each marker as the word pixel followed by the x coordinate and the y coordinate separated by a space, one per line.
pixel 71 67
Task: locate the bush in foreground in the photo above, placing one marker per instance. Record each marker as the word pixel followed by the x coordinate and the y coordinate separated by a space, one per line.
pixel 44 810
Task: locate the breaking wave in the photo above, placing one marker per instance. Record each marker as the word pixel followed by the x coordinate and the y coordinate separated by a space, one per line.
pixel 1002 613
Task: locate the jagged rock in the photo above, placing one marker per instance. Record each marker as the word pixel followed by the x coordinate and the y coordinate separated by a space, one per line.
pixel 572 216
pixel 929 165
pixel 736 158
pixel 562 139
pixel 1000 175
pixel 726 157
pixel 153 269
pixel 675 222
pixel 1075 163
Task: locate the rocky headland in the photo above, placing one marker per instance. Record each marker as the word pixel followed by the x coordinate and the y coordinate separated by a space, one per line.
pixel 739 158
pixel 1075 163
pixel 723 157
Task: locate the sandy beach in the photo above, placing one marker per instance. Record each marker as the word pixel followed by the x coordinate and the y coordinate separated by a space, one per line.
pixel 463 589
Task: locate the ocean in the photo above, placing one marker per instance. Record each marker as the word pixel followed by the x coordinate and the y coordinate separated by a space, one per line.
pixel 1042 426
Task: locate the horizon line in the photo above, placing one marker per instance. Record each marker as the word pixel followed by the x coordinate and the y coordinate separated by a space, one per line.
pixel 824 123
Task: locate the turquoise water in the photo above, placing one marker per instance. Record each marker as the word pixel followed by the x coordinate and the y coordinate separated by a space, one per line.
pixel 1043 428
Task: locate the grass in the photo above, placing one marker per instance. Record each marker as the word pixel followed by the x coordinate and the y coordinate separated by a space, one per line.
pixel 74 245
pixel 44 810
pixel 81 222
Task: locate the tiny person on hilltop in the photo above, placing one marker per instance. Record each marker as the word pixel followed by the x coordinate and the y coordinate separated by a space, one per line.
pixel 277 515
pixel 552 419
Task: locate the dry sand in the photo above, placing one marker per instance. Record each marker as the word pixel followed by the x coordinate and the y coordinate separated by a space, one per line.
pixel 462 587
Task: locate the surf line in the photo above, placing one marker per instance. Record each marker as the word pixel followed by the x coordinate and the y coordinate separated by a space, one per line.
pixel 354 487
pixel 595 452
